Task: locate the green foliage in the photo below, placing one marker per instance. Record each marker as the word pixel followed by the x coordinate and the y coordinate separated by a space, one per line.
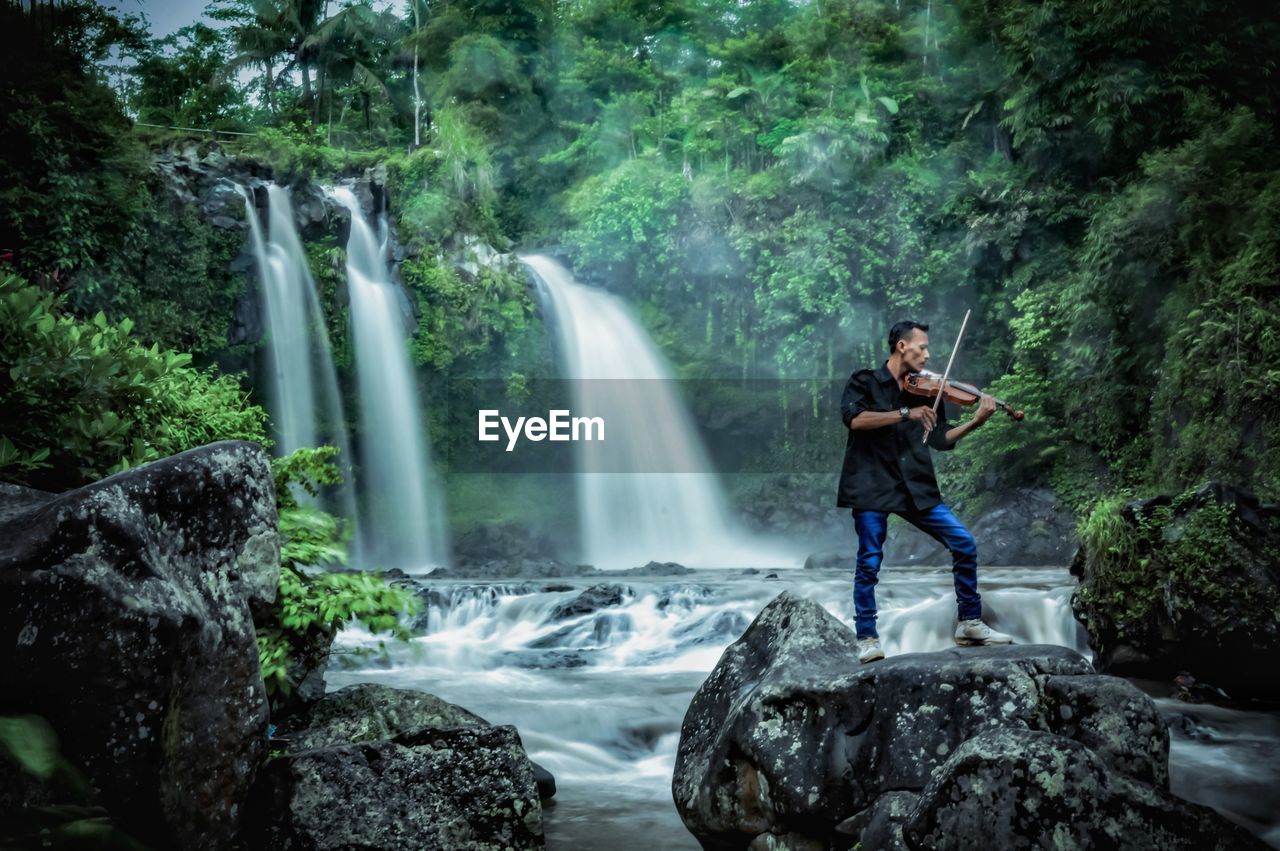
pixel 463 318
pixel 627 217
pixel 82 400
pixel 185 296
pixel 304 149
pixel 30 744
pixel 312 606
pixel 74 187
pixel 179 82
pixel 1159 564
pixel 771 184
pixel 306 469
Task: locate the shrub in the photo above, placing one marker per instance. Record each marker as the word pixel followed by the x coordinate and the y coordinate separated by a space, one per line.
pixel 83 399
pixel 312 606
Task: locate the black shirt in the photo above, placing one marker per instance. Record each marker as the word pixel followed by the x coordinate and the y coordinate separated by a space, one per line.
pixel 888 468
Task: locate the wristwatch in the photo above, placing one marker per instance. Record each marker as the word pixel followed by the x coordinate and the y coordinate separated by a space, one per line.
pixel 904 412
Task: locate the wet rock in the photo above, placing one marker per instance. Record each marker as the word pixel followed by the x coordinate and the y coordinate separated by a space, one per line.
pixel 384 768
pixel 659 568
pixel 683 596
pixel 880 825
pixel 544 659
pixel 125 609
pixel 369 712
pixel 831 560
pixel 1198 596
pixel 524 568
pixel 545 781
pixel 504 541
pixel 593 599
pixel 789 741
pixel 1032 789
pixel 470 255
pixel 428 789
pixel 716 629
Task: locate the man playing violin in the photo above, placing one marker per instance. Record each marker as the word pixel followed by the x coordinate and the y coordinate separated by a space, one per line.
pixel 888 470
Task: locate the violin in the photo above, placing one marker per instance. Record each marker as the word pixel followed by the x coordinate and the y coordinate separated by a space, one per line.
pixel 957 392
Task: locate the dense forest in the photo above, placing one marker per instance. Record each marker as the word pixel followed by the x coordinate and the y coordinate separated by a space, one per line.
pixel 773 184
pixel 767 186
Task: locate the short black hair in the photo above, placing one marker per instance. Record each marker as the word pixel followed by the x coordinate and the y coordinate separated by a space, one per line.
pixel 902 330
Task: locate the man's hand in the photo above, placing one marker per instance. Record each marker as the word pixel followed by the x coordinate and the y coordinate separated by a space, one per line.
pixel 986 407
pixel 924 415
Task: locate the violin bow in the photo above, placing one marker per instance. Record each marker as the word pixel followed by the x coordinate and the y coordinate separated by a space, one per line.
pixel 942 387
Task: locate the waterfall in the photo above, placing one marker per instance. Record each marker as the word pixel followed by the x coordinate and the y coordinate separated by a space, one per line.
pixel 630 518
pixel 402 507
pixel 302 386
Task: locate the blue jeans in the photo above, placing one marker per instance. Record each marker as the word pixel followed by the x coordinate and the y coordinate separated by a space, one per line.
pixel 940 524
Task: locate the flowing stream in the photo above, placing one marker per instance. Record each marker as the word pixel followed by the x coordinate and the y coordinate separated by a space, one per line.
pixel 599 698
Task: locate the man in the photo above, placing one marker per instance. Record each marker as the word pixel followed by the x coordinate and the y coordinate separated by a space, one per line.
pixel 888 470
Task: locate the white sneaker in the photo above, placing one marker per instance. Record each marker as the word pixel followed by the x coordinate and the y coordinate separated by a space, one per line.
pixel 869 650
pixel 974 633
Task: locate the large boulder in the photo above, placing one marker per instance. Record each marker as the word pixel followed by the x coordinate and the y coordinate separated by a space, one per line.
pixel 125 618
pixel 377 767
pixel 791 744
pixel 1185 584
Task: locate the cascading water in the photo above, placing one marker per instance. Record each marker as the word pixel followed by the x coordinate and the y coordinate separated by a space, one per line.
pixel 630 518
pixel 306 408
pixel 599 691
pixel 401 502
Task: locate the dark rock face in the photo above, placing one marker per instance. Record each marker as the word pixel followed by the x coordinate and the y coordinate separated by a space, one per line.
pixel 368 712
pixel 528 568
pixel 591 600
pixel 791 744
pixel 497 541
pixel 1023 527
pixel 1032 789
pixel 384 768
pixel 523 568
pixel 125 614
pixel 1200 592
pixel 200 175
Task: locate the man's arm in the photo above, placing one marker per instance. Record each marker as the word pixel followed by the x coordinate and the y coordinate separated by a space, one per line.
pixel 986 407
pixel 879 419
pixel 856 399
pixel 855 408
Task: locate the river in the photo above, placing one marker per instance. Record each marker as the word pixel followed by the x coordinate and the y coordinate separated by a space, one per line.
pixel 598 698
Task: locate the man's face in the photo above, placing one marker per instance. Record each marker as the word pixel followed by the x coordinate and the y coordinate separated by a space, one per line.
pixel 915 350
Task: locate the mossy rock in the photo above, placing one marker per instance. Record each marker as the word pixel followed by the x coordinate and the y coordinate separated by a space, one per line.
pixel 1187 583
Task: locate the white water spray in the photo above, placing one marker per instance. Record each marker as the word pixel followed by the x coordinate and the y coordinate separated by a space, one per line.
pixel 306 408
pixel 629 518
pixel 402 506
